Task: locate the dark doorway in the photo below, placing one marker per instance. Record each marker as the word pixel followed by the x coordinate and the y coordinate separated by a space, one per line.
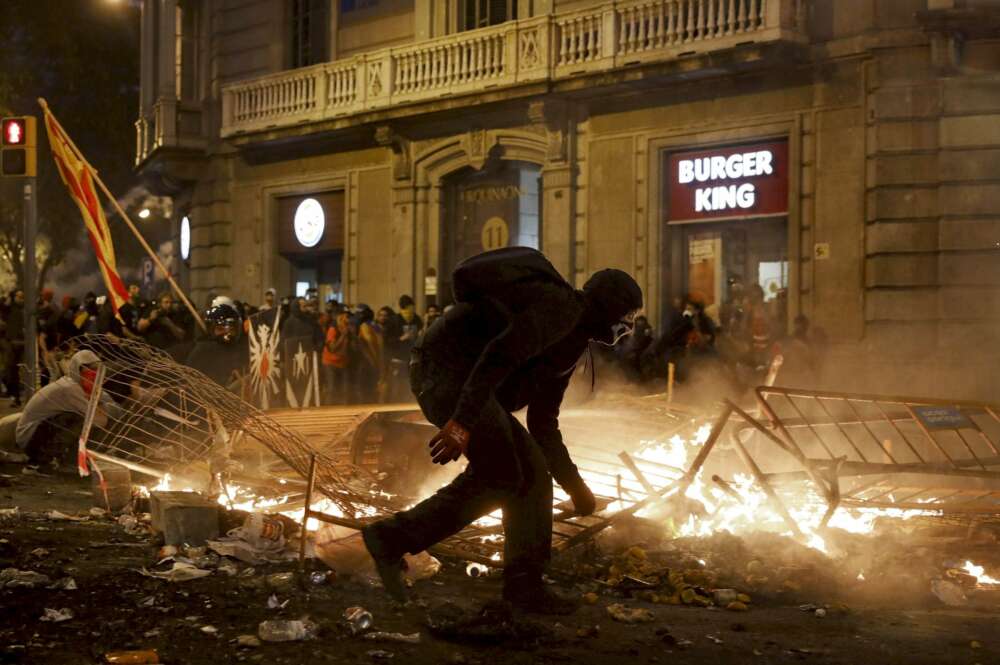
pixel 499 206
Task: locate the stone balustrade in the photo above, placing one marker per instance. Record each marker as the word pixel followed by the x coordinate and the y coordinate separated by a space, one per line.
pixel 552 47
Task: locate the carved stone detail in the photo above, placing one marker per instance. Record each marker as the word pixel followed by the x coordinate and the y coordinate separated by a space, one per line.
pixel 552 117
pixel 529 56
pixel 386 136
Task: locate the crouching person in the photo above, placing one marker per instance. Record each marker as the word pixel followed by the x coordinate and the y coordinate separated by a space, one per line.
pixel 52 419
pixel 513 341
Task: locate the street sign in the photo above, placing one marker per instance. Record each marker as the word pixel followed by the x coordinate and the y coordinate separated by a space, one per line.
pixel 148 272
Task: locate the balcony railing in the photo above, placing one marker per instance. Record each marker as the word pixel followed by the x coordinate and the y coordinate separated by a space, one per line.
pixel 551 47
pixel 167 124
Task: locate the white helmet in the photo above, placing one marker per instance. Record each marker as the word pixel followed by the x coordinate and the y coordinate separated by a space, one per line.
pixel 223 300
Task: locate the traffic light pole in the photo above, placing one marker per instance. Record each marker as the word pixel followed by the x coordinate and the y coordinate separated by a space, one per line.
pixel 30 296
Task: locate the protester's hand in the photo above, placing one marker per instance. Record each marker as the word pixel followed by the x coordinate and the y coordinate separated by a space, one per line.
pixel 450 443
pixel 584 502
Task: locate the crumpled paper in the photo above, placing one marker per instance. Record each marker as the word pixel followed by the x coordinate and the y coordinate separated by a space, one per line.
pixel 625 614
pixel 57 616
pixel 179 572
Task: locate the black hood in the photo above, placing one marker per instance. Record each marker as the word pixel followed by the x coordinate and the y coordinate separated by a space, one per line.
pixel 610 294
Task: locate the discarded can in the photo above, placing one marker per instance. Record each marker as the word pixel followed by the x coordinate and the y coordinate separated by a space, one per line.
pixel 358 619
pixel 144 657
pixel 286 631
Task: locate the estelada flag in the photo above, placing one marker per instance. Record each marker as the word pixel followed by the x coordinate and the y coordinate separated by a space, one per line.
pixel 79 178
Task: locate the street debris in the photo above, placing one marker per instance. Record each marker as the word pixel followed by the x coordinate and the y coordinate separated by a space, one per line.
pixel 12 578
pixel 380 636
pixel 8 515
pixel 283 630
pixel 178 572
pixel 64 584
pixel 247 641
pixel 139 657
pixel 493 624
pixel 274 604
pixel 357 619
pixel 57 616
pixel 625 614
pixel 58 516
pixel 949 593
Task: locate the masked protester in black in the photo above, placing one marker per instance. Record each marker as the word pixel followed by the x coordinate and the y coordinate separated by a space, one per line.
pixel 514 346
pixel 221 355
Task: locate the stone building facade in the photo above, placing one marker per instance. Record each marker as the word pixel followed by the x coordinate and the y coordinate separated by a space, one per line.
pixel 842 154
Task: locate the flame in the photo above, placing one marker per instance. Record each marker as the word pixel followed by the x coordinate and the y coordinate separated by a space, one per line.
pixel 980 574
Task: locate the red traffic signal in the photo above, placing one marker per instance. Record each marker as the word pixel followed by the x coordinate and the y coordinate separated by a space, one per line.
pixel 17 146
pixel 14 131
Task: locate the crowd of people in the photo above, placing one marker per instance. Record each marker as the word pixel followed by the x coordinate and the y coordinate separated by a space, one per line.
pixel 362 355
pixel 737 342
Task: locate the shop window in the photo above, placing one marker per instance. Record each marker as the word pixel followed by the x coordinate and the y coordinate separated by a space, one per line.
pixel 484 13
pixel 726 262
pixel 308 25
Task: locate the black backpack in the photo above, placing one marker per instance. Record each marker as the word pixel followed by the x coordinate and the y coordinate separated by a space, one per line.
pixel 499 273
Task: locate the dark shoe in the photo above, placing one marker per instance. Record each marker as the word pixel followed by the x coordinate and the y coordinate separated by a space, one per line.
pixel 388 566
pixel 535 598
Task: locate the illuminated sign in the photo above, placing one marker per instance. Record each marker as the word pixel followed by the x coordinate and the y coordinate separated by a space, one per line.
pixel 185 238
pixel 738 181
pixel 309 223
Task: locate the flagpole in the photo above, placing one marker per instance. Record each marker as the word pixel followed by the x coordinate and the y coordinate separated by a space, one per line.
pixel 125 217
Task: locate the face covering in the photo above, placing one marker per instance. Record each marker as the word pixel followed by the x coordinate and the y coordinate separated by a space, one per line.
pixel 87 378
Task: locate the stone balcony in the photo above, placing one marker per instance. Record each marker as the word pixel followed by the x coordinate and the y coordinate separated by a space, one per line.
pixel 545 49
pixel 168 125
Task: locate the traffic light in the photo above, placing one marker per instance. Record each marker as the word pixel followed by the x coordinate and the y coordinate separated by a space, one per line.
pixel 17 146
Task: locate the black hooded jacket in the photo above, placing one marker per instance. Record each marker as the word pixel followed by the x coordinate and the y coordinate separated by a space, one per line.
pixel 520 344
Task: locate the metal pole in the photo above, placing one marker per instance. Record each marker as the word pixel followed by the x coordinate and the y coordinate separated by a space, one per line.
pixel 30 292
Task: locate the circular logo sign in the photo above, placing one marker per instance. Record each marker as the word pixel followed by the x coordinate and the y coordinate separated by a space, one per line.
pixel 309 223
pixel 185 238
pixel 496 233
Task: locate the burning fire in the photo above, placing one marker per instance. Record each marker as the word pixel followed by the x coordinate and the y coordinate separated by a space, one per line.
pixel 753 510
pixel 980 574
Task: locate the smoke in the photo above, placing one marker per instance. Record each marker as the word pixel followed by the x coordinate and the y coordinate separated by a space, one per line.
pixel 76 274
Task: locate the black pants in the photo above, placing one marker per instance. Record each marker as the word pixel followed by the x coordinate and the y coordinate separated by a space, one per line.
pixel 506 470
pixel 56 438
